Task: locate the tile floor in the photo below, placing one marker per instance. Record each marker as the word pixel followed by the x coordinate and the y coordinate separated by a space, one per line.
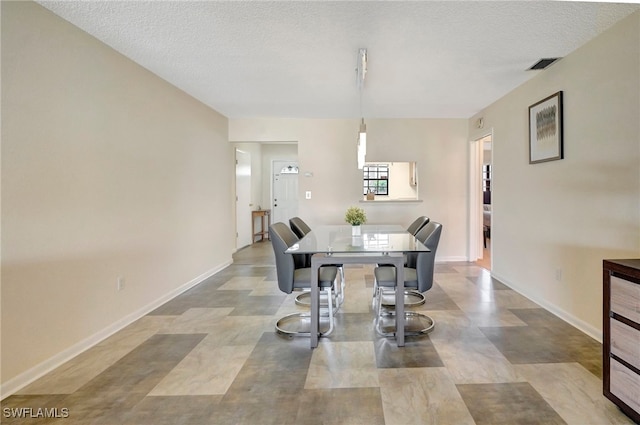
pixel 210 356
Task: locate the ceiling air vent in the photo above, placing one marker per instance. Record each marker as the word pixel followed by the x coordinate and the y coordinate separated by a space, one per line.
pixel 542 64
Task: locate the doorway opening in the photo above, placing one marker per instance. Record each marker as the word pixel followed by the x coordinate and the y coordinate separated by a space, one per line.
pixel 243 198
pixel 480 209
pixel 257 182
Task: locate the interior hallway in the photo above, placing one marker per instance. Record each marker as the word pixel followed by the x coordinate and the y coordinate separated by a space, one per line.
pixel 210 356
pixel 485 261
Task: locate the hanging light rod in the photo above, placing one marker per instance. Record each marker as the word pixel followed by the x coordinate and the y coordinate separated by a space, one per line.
pixel 361 73
pixel 361 67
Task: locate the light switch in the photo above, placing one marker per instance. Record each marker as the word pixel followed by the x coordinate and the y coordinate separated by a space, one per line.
pixel 307 194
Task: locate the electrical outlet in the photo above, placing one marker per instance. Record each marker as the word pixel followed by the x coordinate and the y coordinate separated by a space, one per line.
pixel 120 283
pixel 307 194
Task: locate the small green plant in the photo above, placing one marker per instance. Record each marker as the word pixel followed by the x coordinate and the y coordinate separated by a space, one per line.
pixel 355 216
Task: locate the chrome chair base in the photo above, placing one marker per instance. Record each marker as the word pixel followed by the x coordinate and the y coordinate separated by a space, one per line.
pixel 412 298
pixel 299 324
pixel 304 299
pixel 385 322
pixel 415 324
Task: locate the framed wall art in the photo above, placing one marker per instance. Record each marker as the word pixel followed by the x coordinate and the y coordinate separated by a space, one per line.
pixel 545 129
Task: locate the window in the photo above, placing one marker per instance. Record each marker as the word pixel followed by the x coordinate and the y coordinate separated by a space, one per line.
pixel 291 169
pixel 376 179
pixel 486 178
pixel 486 184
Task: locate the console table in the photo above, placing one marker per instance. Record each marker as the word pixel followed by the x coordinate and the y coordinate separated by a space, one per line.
pixel 621 335
pixel 265 217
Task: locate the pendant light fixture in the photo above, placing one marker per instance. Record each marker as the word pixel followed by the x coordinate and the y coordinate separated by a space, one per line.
pixel 362 144
pixel 361 72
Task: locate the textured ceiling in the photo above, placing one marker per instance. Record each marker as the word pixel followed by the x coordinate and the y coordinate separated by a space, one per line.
pixel 446 59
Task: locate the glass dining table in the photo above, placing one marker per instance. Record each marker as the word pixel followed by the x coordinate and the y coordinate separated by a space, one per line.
pixel 336 244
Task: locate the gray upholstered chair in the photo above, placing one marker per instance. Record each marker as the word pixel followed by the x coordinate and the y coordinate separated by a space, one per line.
pixel 292 278
pixel 418 275
pixel 417 224
pixel 412 297
pixel 414 228
pixel 300 228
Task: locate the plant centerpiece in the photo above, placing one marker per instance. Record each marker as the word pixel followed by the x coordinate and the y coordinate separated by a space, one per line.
pixel 355 216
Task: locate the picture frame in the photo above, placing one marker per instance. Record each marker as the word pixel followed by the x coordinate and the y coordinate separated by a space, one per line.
pixel 546 130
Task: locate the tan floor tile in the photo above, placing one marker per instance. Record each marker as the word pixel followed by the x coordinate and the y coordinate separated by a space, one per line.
pixel 81 369
pixel 358 299
pixel 242 330
pixel 197 320
pixel 573 392
pixel 507 403
pixel 453 325
pixel 421 396
pixel 240 283
pixel 289 306
pixel 459 288
pixel 347 364
pixel 209 369
pixel 512 299
pixel 474 360
pixel 479 300
pixel 76 372
pixel 266 287
pixel 469 269
pixel 341 406
pixel 496 318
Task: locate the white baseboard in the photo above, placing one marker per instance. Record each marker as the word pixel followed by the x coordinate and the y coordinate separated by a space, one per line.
pixel 585 327
pixel 22 380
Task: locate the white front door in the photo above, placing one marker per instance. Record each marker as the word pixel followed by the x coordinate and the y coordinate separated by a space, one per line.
pixel 285 191
pixel 243 198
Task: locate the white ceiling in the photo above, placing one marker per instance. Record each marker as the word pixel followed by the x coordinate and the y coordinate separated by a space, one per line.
pixel 435 59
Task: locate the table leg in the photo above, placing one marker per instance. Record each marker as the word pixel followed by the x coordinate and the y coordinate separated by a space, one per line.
pixel 253 228
pixel 399 263
pixel 315 301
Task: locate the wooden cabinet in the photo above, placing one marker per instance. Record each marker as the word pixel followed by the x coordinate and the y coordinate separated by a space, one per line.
pixel 621 335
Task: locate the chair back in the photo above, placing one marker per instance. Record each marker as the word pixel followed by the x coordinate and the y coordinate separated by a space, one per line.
pixel 299 227
pixel 421 234
pixel 282 238
pixel 417 224
pixel 425 261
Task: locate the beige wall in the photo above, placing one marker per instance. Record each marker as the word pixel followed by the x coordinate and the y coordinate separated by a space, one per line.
pixel 107 171
pixel 327 148
pixel 554 223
